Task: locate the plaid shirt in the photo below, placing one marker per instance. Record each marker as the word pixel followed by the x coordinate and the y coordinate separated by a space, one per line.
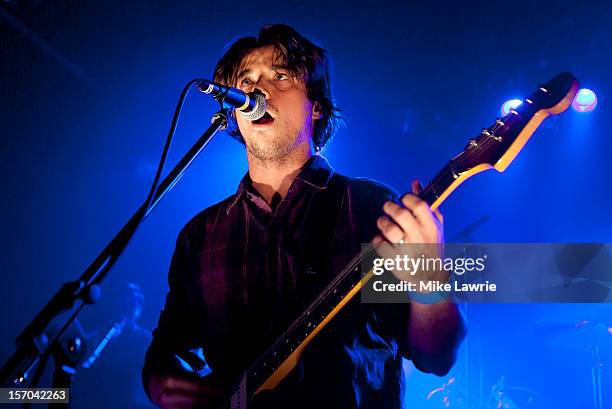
pixel 242 271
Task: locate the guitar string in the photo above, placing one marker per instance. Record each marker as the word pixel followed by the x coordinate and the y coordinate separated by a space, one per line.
pixel 466 156
pixel 509 117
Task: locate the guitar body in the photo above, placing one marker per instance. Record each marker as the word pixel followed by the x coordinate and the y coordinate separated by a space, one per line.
pixel 495 148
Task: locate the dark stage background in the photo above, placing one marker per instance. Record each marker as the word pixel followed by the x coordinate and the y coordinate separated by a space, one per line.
pixel 87 94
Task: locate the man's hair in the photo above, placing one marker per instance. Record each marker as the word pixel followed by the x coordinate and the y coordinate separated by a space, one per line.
pixel 304 59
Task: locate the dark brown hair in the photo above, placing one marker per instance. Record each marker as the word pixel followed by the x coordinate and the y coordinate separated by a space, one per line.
pixel 303 58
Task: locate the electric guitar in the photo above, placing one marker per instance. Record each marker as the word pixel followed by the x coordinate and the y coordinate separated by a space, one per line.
pixel 494 148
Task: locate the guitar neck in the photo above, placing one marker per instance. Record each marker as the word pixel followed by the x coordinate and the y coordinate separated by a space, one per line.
pixel 437 190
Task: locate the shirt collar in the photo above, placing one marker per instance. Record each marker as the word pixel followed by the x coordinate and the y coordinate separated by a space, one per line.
pixel 316 172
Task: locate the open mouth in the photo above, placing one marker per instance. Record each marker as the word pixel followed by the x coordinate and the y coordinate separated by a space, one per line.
pixel 264 120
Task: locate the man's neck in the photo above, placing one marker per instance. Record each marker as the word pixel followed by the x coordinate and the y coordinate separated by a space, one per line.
pixel 273 179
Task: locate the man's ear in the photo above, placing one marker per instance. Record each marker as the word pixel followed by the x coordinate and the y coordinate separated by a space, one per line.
pixel 316 110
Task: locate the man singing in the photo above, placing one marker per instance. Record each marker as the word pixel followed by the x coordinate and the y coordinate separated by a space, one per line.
pixel 244 268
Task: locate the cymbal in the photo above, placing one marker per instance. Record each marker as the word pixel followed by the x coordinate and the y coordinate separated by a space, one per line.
pixel 582 334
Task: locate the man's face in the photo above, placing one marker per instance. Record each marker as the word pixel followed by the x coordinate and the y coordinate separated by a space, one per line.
pixel 290 120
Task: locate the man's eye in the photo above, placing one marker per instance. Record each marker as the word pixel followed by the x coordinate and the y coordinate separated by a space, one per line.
pixel 281 76
pixel 245 82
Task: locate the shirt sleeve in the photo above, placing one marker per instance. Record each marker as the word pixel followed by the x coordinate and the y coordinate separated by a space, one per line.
pixel 182 322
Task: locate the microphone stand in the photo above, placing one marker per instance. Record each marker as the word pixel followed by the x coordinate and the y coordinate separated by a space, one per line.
pixel 54 331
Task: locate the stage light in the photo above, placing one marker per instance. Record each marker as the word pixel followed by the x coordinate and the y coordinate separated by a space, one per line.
pixel 585 100
pixel 508 105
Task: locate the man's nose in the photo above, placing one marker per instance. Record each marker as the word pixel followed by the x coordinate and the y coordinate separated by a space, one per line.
pixel 262 89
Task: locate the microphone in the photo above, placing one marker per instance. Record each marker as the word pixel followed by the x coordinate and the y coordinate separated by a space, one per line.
pixel 252 105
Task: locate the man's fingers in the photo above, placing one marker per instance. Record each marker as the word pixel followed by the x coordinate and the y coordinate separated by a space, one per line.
pixel 416 186
pixel 178 401
pixel 177 392
pixel 383 247
pixel 188 398
pixel 403 217
pixel 183 385
pixel 389 229
pixel 421 210
pixel 416 189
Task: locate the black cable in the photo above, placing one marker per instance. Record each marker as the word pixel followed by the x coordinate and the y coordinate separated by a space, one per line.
pixel 37 375
pixel 162 160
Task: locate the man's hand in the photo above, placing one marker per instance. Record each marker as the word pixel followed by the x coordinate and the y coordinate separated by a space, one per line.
pixel 411 222
pixel 414 222
pixel 433 331
pixel 171 392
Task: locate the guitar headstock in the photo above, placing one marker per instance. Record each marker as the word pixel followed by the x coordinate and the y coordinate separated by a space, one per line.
pixel 498 145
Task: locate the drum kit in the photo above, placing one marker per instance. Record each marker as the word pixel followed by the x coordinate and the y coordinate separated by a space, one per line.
pixel 501 396
pixel 587 335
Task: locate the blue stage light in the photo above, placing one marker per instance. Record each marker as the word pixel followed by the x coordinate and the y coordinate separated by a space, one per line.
pixel 585 100
pixel 508 105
